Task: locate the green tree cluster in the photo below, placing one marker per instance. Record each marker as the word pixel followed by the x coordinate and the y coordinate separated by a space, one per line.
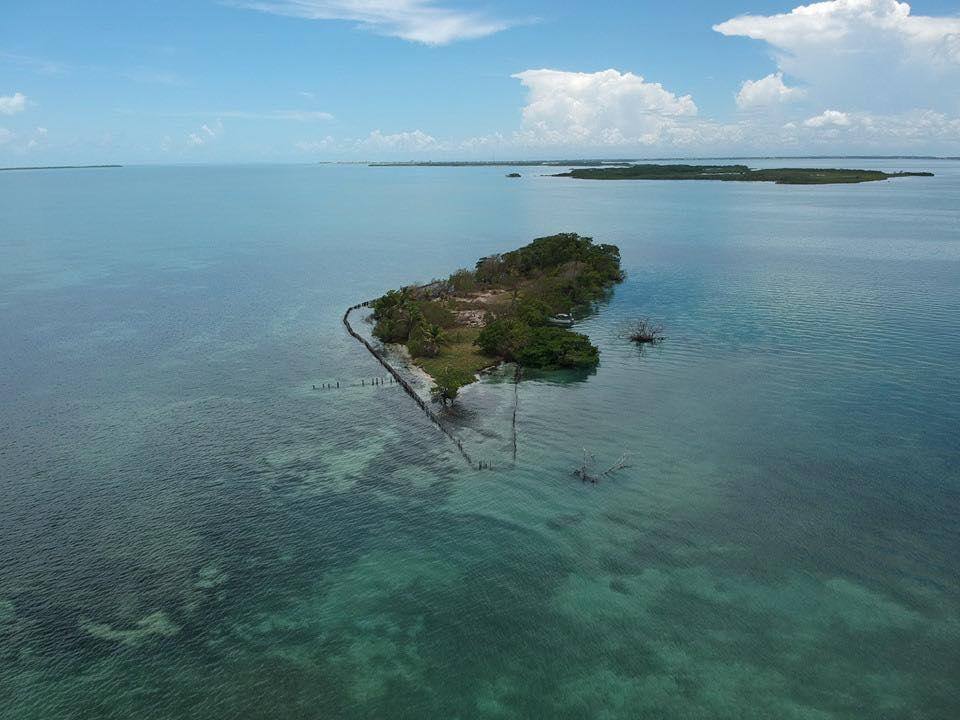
pixel 544 347
pixel 550 275
pixel 426 339
pixel 447 383
pixel 553 254
pixel 402 317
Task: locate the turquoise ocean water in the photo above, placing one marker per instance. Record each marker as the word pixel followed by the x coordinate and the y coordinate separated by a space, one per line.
pixel 188 530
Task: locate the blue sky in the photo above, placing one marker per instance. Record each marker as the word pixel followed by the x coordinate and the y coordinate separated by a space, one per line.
pixel 303 80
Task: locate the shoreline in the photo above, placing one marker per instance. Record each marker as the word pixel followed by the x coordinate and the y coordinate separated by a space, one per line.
pixel 407 387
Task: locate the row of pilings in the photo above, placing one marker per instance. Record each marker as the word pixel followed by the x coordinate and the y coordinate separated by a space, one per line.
pixel 517 376
pixel 406 386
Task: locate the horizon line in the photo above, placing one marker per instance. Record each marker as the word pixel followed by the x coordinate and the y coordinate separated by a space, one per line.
pixel 517 161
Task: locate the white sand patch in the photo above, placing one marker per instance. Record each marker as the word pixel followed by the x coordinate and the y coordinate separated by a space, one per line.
pixel 154 625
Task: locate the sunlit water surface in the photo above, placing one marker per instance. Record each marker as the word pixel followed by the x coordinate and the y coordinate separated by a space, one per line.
pixel 189 530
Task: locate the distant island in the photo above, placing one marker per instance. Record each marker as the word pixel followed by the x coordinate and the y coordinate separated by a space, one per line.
pixel 59 167
pixel 512 307
pixel 737 173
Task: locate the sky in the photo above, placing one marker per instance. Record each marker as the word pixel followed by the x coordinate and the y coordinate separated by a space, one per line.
pixel 214 81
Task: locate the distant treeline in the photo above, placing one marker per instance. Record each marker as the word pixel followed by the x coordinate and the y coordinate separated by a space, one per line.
pixel 632 161
pixel 737 173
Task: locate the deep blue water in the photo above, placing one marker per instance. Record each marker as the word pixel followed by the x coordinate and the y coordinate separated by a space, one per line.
pixel 188 530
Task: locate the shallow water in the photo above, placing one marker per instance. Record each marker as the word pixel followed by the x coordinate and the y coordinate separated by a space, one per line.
pixel 188 530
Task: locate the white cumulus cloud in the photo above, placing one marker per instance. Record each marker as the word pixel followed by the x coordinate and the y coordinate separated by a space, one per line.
pixel 599 108
pixel 766 92
pixel 315 146
pixel 918 131
pixel 296 115
pixel 205 134
pixel 38 139
pixel 828 118
pixel 423 21
pixel 12 104
pixel 24 141
pixel 826 23
pixel 413 141
pixel 875 55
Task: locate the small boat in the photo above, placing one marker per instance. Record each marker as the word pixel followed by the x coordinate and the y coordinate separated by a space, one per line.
pixel 561 319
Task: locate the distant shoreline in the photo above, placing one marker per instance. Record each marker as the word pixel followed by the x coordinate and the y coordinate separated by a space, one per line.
pixel 604 162
pixel 737 173
pixel 587 162
pixel 59 167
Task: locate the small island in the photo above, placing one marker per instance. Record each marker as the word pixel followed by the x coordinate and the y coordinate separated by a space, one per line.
pixel 737 173
pixel 514 307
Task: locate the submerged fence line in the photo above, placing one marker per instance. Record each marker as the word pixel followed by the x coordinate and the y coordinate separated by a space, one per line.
pixel 404 384
pixel 517 375
pixel 370 382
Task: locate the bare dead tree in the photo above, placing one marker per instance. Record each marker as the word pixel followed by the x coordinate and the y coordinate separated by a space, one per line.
pixel 584 470
pixel 586 473
pixel 644 331
pixel 623 462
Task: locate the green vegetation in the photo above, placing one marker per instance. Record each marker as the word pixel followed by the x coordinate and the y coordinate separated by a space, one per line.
pixel 463 282
pixel 426 339
pixel 501 310
pixel 403 313
pixel 504 338
pixel 447 383
pixel 780 176
pixel 543 347
pixel 551 348
pixel 460 355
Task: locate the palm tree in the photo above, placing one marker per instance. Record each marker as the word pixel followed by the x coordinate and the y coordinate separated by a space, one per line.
pixel 433 337
pixel 397 314
pixel 410 311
